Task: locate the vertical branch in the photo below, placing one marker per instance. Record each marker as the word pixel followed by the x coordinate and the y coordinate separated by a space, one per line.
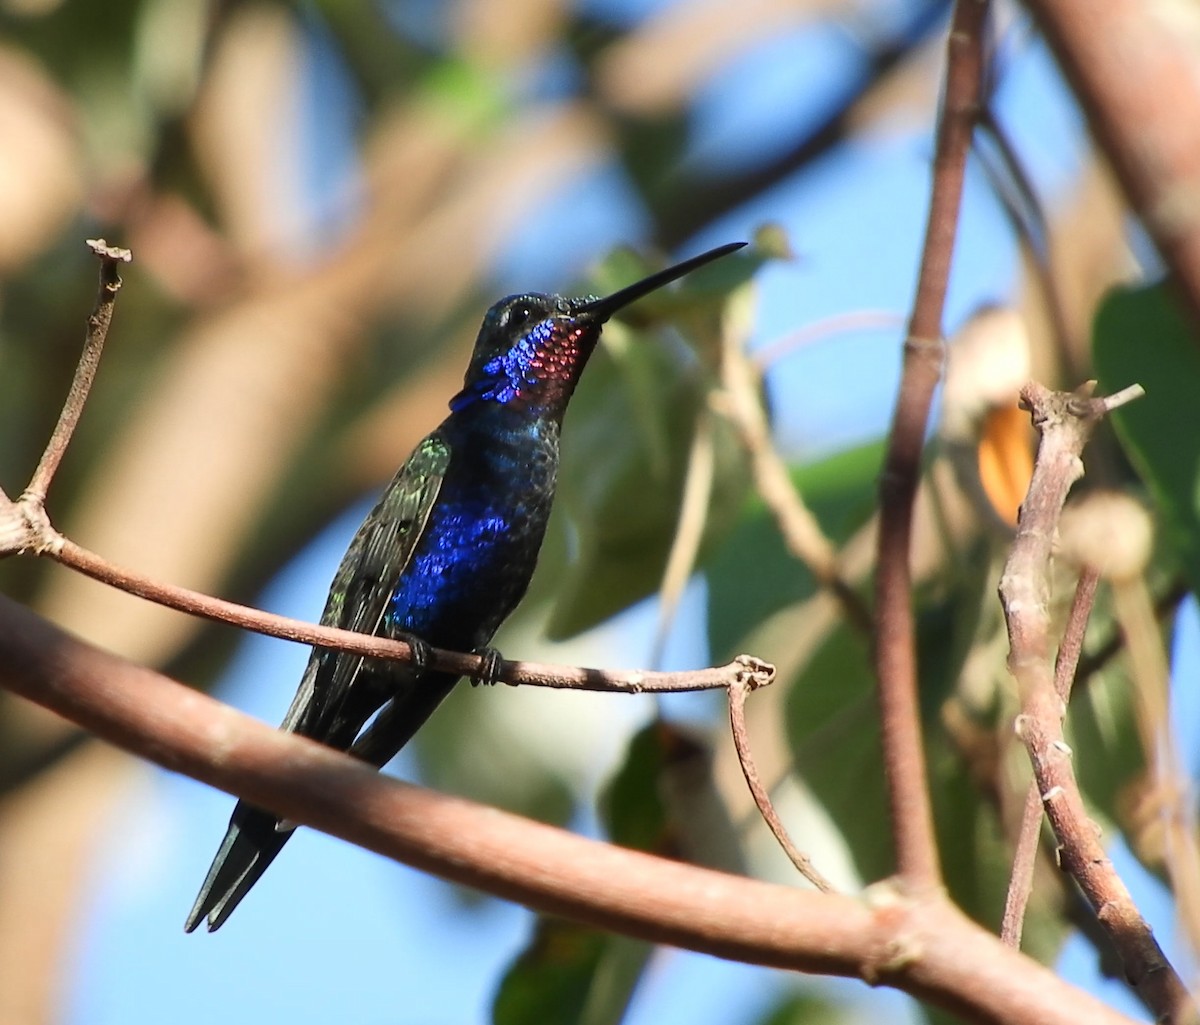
pixel 895 655
pixel 689 530
pixel 85 373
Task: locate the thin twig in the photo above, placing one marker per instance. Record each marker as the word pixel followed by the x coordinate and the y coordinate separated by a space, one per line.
pixel 1020 884
pixel 516 673
pixel 799 528
pixel 856 321
pixel 895 652
pixel 1065 422
pixel 111 258
pixel 1031 227
pixel 1071 647
pixel 741 741
pixel 689 530
pixel 1171 796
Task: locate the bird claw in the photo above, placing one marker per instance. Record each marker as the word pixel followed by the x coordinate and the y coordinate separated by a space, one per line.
pixel 489 668
pixel 422 653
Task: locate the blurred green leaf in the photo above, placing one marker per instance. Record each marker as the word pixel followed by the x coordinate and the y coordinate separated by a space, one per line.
pixel 1140 336
pixel 570 975
pixel 809 1009
pixel 752 574
pixel 625 456
pixel 833 729
pixel 462 746
pixel 632 803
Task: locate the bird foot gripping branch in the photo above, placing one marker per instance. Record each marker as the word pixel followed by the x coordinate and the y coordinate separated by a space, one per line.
pixel 490 665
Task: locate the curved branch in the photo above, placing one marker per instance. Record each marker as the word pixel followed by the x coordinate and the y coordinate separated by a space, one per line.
pixel 924 946
pixel 762 798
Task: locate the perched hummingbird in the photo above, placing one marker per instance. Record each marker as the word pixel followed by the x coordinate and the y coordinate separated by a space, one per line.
pixel 444 556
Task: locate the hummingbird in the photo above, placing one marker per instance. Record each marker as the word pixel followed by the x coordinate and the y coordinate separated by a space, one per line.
pixel 444 556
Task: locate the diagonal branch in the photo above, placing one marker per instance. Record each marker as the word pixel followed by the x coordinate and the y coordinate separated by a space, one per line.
pixel 922 945
pixel 799 528
pixel 744 667
pixel 1020 884
pixel 741 741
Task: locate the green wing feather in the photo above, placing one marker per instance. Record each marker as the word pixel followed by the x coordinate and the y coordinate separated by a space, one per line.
pixel 363 584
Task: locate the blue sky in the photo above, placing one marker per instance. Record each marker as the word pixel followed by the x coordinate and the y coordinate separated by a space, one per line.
pixel 335 933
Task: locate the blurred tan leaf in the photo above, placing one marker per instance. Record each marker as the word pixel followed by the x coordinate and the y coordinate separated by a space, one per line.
pixel 41 160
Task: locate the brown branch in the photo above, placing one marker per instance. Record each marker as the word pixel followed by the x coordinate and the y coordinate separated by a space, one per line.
pixel 924 946
pixel 895 655
pixel 741 741
pixel 1020 884
pixel 1136 79
pixel 535 674
pixel 1065 422
pixel 111 258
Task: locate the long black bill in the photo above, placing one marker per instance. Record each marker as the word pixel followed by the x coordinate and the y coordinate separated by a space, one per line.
pixel 601 309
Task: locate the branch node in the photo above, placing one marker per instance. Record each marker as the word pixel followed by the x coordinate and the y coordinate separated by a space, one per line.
pixel 754 673
pixel 25 527
pixel 109 254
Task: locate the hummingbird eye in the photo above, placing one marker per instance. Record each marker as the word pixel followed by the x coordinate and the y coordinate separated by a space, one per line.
pixel 520 314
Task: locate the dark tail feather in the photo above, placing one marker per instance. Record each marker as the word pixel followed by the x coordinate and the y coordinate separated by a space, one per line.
pixel 249 847
pixel 252 841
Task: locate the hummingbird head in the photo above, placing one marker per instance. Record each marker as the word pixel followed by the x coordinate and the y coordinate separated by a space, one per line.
pixel 532 348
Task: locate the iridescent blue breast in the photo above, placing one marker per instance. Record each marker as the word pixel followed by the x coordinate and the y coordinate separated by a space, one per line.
pixel 475 558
